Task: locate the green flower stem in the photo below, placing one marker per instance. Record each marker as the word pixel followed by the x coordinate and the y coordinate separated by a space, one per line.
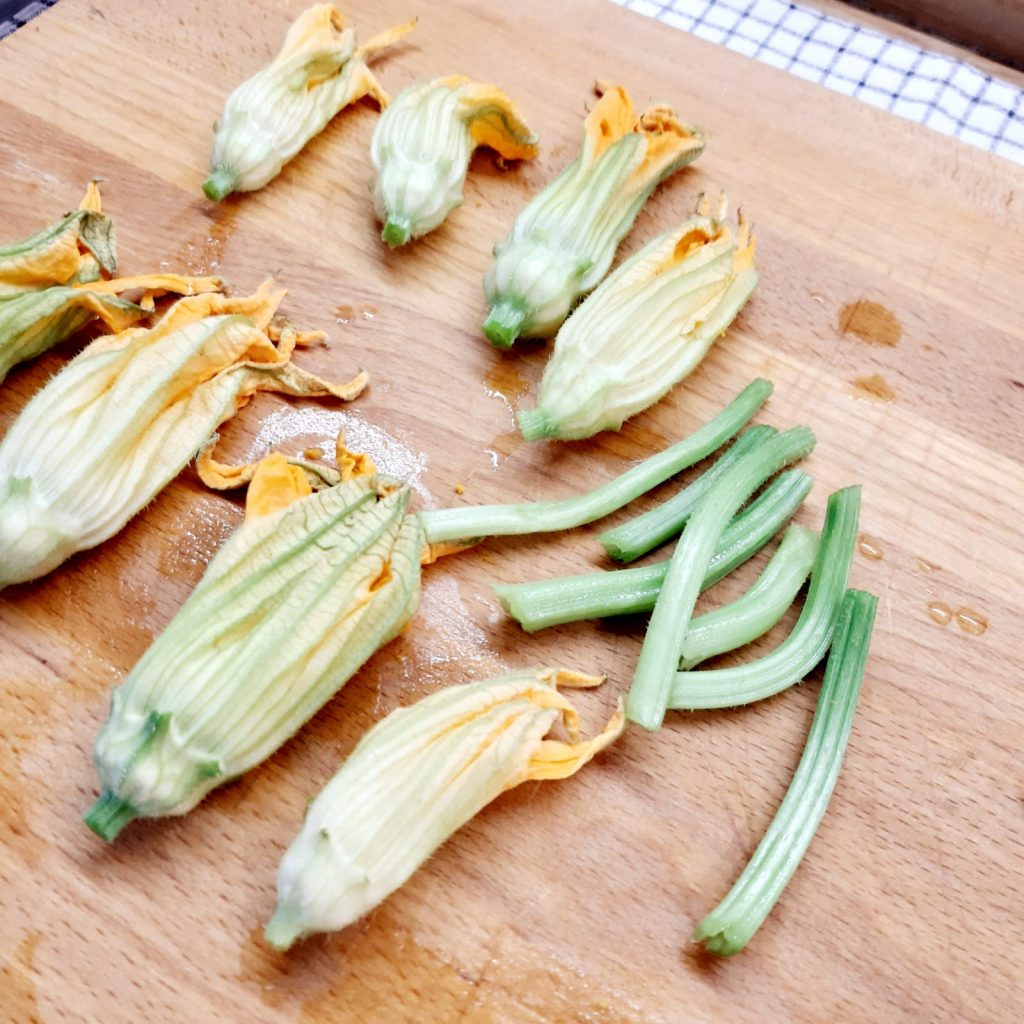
pixel 651 691
pixel 546 516
pixel 738 623
pixel 544 603
pixel 504 323
pixel 732 924
pixel 220 184
pixel 635 537
pixel 806 644
pixel 109 815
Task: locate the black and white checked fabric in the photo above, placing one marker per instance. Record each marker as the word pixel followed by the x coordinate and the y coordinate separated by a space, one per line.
pixel 14 13
pixel 948 95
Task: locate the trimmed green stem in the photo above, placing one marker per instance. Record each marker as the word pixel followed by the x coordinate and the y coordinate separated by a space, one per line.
pixel 109 815
pixel 220 184
pixel 635 537
pixel 396 232
pixel 732 924
pixel 503 324
pixel 806 645
pixel 281 931
pixel 745 619
pixel 648 697
pixel 472 522
pixel 544 603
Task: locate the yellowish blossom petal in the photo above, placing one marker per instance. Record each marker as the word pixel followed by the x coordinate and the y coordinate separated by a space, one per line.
pixel 79 247
pixel 36 320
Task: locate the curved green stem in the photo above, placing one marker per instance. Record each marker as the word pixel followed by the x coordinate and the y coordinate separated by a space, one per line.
pixel 806 644
pixel 544 603
pixel 546 516
pixel 662 648
pixel 752 615
pixel 732 924
pixel 635 537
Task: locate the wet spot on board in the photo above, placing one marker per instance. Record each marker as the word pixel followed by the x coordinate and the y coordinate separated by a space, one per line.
pixel 971 622
pixel 504 381
pixel 870 548
pixel 873 389
pixel 870 322
pixel 502 446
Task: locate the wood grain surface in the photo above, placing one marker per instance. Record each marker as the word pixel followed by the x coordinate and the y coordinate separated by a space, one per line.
pixel 888 316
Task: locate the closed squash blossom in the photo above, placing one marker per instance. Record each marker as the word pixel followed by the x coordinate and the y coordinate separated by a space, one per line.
pixel 422 145
pixel 302 593
pixel 271 116
pixel 414 779
pixel 563 242
pixel 138 406
pixel 644 328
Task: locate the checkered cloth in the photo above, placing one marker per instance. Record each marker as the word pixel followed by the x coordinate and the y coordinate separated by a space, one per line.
pixel 14 13
pixel 948 95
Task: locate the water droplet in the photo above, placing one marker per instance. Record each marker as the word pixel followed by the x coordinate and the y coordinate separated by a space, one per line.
pixel 971 622
pixel 368 312
pixel 869 548
pixel 344 314
pixel 873 389
pixel 940 612
pixel 504 381
pixel 924 566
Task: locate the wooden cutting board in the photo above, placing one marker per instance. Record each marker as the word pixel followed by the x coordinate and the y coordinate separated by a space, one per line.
pixel 890 256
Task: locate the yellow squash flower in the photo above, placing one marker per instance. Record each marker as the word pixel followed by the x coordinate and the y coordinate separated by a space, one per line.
pixel 563 242
pixel 417 776
pixel 135 407
pixel 272 115
pixel 34 321
pixel 422 145
pixel 302 593
pixel 644 328
pixel 76 249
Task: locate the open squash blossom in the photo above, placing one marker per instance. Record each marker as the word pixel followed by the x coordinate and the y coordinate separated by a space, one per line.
pixel 124 417
pixel 34 321
pixel 417 776
pixel 422 145
pixel 272 115
pixel 76 249
pixel 302 593
pixel 563 242
pixel 644 328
